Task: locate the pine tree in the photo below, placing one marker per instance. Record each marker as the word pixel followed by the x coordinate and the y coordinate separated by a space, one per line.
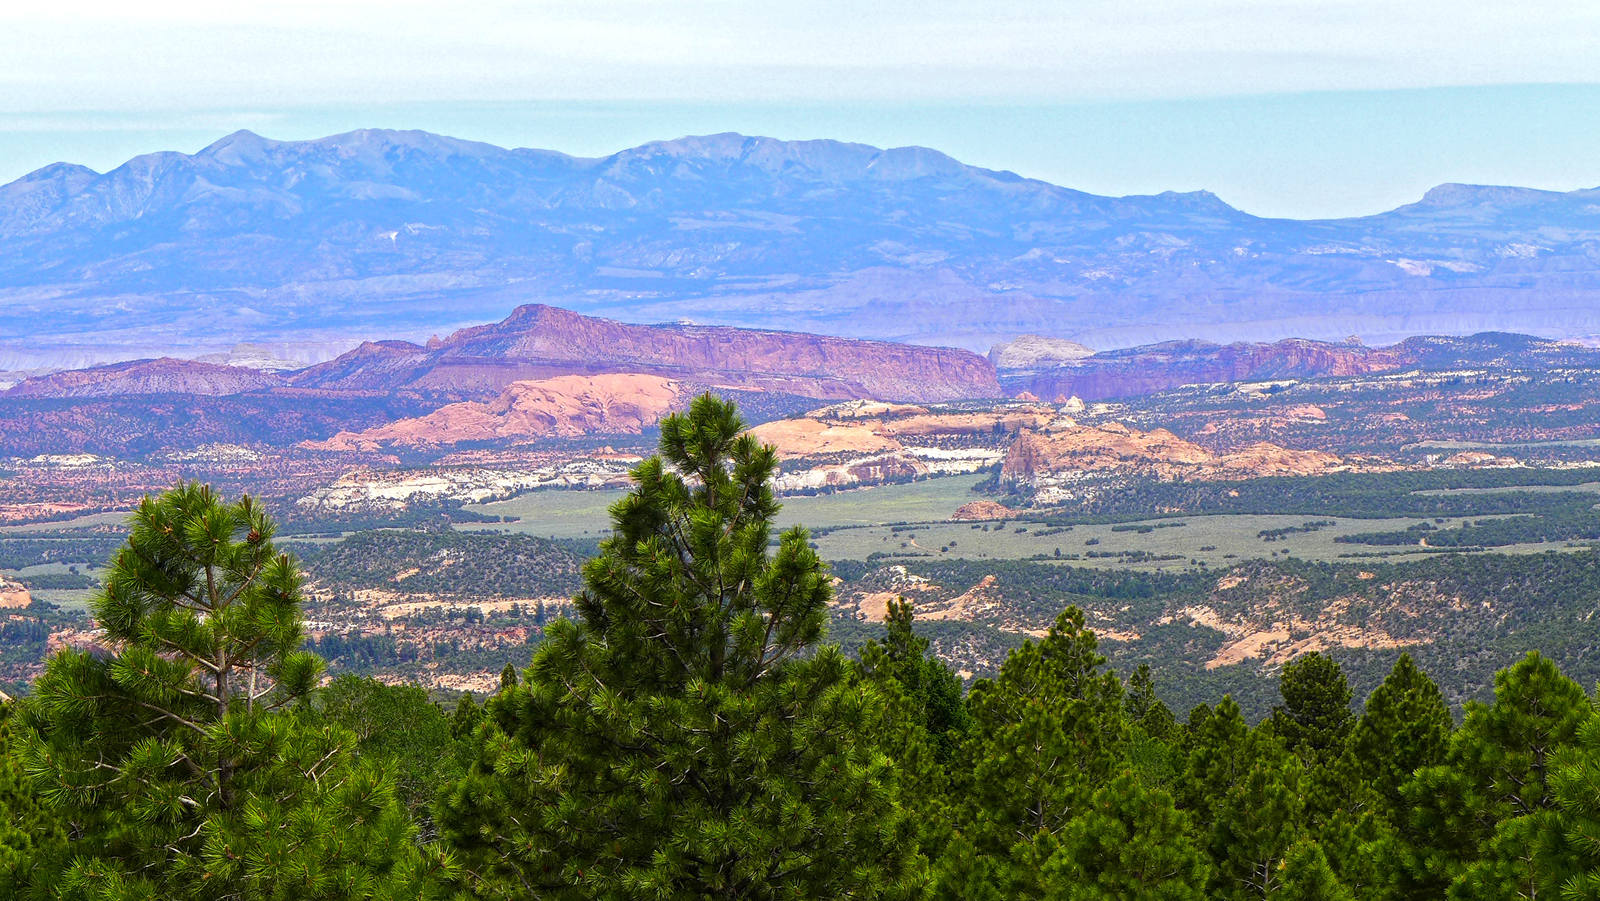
pixel 686 737
pixel 30 832
pixel 1575 784
pixel 1339 817
pixel 183 757
pixel 399 727
pixel 1217 757
pixel 1153 753
pixel 1047 731
pixel 1315 716
pixel 1314 722
pixel 1495 770
pixel 1145 710
pixel 930 690
pixel 1131 843
pixel 927 718
pixel 1404 727
pixel 466 717
pixel 1307 876
pixel 1362 847
pixel 1526 857
pixel 1256 822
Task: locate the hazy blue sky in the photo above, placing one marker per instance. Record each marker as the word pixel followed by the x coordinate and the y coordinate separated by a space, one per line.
pixel 1282 107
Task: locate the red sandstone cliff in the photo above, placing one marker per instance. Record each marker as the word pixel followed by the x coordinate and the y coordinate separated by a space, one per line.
pixel 562 407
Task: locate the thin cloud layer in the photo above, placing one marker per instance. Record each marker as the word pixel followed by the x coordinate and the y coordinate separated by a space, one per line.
pixel 178 54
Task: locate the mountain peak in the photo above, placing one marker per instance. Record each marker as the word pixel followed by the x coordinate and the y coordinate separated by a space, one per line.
pixel 62 170
pixel 1453 194
pixel 244 137
pixel 1196 200
pixel 822 158
pixel 388 139
pixel 58 172
pixel 240 148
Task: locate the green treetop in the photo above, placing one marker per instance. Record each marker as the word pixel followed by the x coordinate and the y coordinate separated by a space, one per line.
pixel 1495 770
pixel 1256 822
pixel 1575 783
pixel 930 691
pixel 1306 876
pixel 1145 710
pixel 1047 732
pixel 30 830
pixel 685 737
pixel 1404 727
pixel 1315 716
pixel 1131 843
pixel 179 755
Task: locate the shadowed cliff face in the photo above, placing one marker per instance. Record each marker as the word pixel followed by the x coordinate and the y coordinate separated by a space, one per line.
pixel 538 342
pixel 378 233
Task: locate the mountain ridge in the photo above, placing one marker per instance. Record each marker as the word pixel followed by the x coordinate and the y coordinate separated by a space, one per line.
pixel 383 233
pixel 543 342
pixel 1135 371
pixel 538 341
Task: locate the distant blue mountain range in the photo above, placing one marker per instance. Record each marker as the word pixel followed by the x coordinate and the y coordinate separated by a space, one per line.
pixel 403 233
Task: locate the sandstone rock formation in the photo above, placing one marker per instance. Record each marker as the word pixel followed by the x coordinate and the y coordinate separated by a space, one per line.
pixel 1266 459
pixel 13 595
pixel 828 431
pixel 1066 449
pixel 1037 445
pixel 982 510
pixel 563 407
pixel 1036 351
pixel 896 466
pixel 807 437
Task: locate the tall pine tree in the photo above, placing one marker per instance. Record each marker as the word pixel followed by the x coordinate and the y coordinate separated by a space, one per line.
pixel 927 719
pixel 930 691
pixel 1256 822
pixel 179 756
pixel 1404 727
pixel 1046 733
pixel 1575 784
pixel 686 737
pixel 1495 770
pixel 1315 715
